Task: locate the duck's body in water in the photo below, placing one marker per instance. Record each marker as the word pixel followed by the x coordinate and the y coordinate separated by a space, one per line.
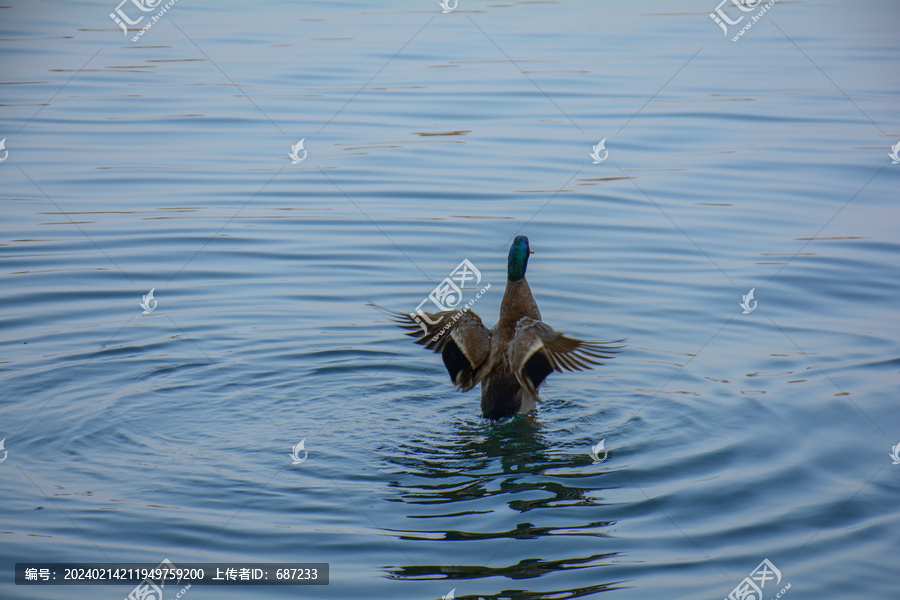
pixel 512 359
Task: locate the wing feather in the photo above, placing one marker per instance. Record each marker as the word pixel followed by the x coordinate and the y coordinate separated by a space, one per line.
pixel 535 340
pixel 459 336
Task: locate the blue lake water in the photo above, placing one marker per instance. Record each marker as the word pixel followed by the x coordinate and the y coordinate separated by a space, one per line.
pixel 430 138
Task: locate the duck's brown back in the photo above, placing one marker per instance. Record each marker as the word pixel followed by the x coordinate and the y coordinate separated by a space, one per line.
pixel 501 394
pixel 517 302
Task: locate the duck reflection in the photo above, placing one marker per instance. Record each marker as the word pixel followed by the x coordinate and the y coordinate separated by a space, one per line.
pixel 480 474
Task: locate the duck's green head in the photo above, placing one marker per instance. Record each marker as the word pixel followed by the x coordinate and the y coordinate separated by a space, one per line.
pixel 518 258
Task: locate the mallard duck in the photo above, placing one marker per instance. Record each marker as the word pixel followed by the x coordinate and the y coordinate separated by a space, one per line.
pixel 512 359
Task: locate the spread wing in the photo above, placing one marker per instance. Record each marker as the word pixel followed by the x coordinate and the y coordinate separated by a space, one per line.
pixel 537 350
pixel 460 337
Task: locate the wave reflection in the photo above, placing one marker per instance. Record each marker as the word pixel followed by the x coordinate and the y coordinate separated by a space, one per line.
pixel 482 474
